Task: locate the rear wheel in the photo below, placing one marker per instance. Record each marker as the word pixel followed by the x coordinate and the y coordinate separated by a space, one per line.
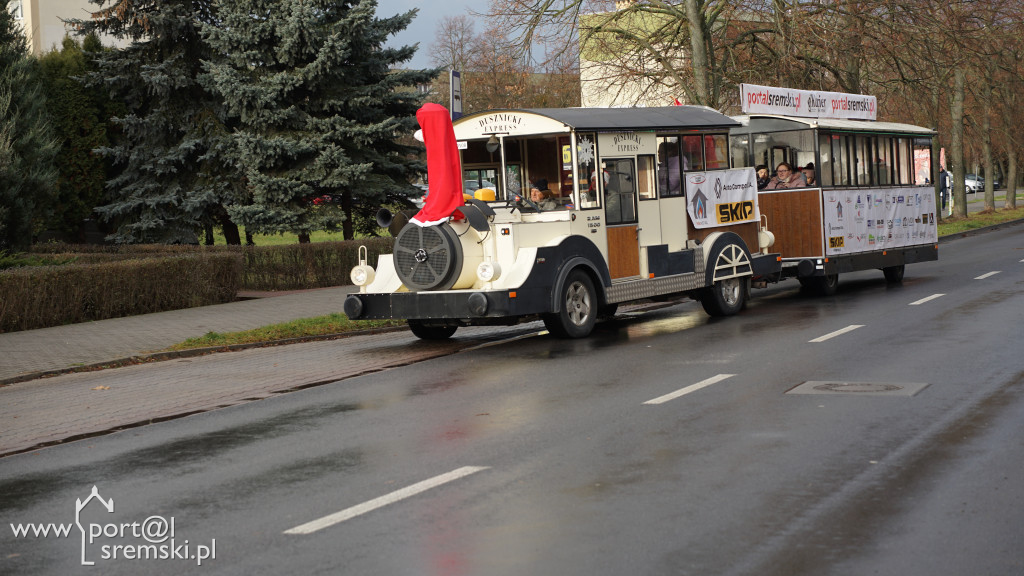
pixel 578 308
pixel 431 332
pixel 725 297
pixel 821 285
pixel 894 274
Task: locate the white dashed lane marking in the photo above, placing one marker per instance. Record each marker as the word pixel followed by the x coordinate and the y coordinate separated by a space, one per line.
pixel 928 299
pixel 688 389
pixel 831 335
pixel 349 513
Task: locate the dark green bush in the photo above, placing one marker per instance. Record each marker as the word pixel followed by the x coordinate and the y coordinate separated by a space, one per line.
pixel 37 297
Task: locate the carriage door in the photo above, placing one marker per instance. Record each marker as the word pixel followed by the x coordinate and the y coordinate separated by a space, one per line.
pixel 620 217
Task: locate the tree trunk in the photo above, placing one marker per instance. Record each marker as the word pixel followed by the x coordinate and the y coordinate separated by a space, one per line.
pixel 986 146
pixel 230 229
pixel 346 207
pixel 957 143
pixel 208 233
pixel 699 56
pixel 303 237
pixel 1011 176
pixel 248 239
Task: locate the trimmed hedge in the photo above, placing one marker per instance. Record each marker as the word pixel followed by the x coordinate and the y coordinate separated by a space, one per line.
pixel 314 265
pixel 283 267
pixel 112 281
pixel 37 297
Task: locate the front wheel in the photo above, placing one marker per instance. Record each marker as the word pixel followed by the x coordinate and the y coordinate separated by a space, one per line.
pixel 431 332
pixel 725 297
pixel 578 310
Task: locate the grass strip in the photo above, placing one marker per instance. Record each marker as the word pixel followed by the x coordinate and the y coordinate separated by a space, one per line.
pixel 954 225
pixel 302 328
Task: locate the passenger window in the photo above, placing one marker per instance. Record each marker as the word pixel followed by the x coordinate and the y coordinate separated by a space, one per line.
pixel 716 151
pixel 693 154
pixel 645 178
pixel 586 170
pixel 619 190
pixel 669 182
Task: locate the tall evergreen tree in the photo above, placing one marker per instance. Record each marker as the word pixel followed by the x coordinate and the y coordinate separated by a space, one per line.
pixel 27 145
pixel 319 110
pixel 77 114
pixel 170 185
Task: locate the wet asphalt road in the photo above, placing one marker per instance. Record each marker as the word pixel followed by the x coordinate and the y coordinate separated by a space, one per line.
pixel 544 456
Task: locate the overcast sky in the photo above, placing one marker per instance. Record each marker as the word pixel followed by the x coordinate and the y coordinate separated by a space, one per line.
pixel 424 26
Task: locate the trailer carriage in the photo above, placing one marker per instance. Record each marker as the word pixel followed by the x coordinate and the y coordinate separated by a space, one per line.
pixel 647 206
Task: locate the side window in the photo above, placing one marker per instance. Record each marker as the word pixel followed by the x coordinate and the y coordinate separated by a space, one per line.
pixel 716 151
pixel 586 170
pixel 862 160
pixel 645 178
pixel 825 146
pixel 669 166
pixel 883 161
pixel 922 160
pixel 739 150
pixel 693 154
pixel 906 162
pixel 619 190
pixel 841 156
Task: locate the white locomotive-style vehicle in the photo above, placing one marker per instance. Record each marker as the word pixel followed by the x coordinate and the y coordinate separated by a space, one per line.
pixel 643 203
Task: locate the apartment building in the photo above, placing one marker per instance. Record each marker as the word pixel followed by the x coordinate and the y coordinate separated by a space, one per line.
pixel 42 24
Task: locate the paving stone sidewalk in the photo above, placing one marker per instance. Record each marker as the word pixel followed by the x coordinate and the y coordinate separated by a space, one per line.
pixel 31 352
pixel 51 410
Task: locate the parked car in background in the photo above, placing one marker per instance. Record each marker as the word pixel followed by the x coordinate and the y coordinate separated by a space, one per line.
pixel 974 183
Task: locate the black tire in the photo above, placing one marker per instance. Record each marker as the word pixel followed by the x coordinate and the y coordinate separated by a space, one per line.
pixel 607 311
pixel 725 297
pixel 431 332
pixel 578 308
pixel 894 274
pixel 821 285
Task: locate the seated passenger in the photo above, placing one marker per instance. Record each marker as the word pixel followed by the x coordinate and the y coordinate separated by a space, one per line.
pixel 785 177
pixel 762 176
pixel 809 174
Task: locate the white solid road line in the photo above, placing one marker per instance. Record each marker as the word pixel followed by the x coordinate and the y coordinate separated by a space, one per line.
pixel 829 336
pixel 983 276
pixel 688 389
pixel 349 513
pixel 928 299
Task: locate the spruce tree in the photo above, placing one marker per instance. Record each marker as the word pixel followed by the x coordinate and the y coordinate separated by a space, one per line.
pixel 318 109
pixel 27 144
pixel 170 184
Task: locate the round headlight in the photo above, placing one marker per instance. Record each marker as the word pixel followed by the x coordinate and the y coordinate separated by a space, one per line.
pixel 362 275
pixel 488 271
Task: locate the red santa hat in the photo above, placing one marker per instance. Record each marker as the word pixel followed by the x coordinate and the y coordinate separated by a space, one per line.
pixel 444 172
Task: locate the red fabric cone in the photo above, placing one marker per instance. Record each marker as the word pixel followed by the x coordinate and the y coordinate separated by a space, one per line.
pixel 444 172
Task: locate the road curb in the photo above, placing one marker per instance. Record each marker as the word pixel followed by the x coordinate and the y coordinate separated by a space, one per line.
pixel 191 353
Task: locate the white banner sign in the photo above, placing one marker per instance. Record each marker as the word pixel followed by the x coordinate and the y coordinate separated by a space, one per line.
pixel 806 103
pixel 722 197
pixel 869 220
